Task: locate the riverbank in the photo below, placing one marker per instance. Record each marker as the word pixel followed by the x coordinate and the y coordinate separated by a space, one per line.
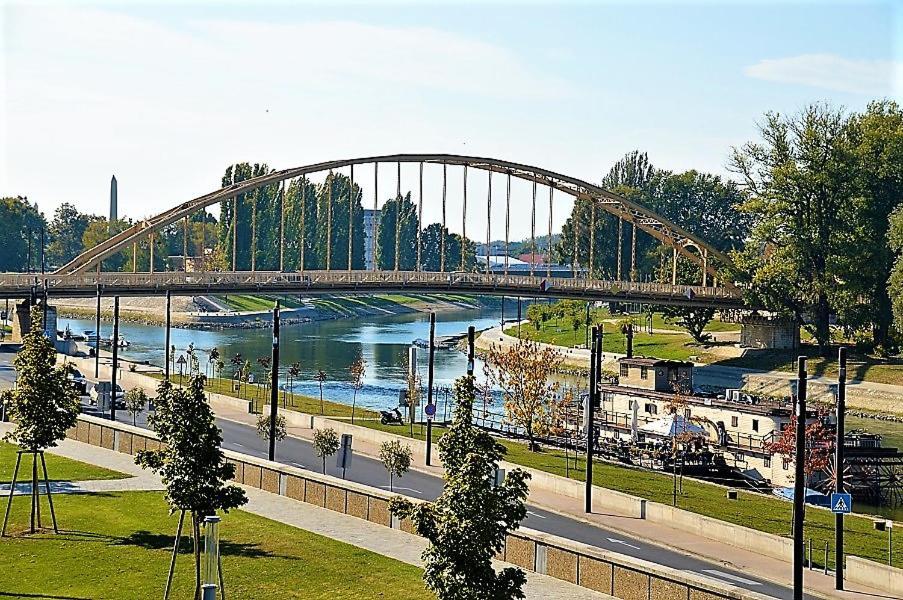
pixel 194 312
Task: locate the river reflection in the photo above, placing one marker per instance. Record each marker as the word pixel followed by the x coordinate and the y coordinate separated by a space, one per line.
pixel 383 341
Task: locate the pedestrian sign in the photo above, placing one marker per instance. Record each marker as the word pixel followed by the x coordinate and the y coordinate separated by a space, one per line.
pixel 841 503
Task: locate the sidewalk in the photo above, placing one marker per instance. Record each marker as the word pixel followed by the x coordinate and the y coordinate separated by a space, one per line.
pixel 392 543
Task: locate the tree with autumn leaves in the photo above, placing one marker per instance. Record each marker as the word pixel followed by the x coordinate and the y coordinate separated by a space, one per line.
pixel 819 445
pixel 522 371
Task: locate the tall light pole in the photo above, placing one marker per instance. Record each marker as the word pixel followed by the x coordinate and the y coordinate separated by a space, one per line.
pixel 799 483
pixel 838 465
pixel 115 343
pixel 588 423
pixel 167 335
pixel 429 388
pixel 274 382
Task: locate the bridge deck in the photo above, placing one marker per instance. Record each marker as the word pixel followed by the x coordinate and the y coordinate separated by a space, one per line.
pixel 17 285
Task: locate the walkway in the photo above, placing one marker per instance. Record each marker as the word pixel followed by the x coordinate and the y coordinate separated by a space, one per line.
pixel 388 542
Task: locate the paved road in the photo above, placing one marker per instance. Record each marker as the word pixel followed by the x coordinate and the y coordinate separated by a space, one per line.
pixel 368 471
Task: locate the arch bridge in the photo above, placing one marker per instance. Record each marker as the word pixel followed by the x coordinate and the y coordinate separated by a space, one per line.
pixel 84 274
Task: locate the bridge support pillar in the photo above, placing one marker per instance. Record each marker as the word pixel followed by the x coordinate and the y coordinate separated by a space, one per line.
pixel 21 322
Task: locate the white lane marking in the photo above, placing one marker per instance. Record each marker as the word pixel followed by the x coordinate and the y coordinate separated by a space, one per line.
pixel 730 577
pixel 623 543
pixel 239 445
pixel 298 465
pixel 530 512
pixel 398 487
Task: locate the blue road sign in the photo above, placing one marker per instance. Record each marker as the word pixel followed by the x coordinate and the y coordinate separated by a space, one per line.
pixel 841 503
pixel 430 410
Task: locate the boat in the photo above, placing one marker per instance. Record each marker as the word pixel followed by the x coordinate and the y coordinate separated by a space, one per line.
pixel 813 497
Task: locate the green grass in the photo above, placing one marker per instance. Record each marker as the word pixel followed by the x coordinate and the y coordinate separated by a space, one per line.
pixel 58 467
pixel 260 394
pixel 118 545
pixel 254 303
pixel 673 346
pixel 891 432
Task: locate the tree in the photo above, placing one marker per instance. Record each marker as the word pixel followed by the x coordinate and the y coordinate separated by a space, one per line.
pixel 398 219
pixel 633 171
pixel 294 372
pixel 43 404
pixel 326 443
pixel 263 427
pixel 800 179
pixel 333 223
pixel 20 236
pixel 879 155
pixel 396 458
pixel 321 378
pixel 819 445
pixel 523 373
pixel 135 400
pixel 191 461
pixel 213 359
pixel 356 370
pixel 466 526
pixel 432 240
pixel 66 232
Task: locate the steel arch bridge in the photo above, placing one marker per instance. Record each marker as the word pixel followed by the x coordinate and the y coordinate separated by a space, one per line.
pixel 83 274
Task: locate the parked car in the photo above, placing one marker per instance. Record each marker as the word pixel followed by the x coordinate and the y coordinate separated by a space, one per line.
pixel 95 393
pixel 77 380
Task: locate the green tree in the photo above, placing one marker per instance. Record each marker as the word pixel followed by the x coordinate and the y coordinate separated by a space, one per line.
pixel 326 443
pixel 633 171
pixel 135 401
pixel 66 232
pixel 396 458
pixel 43 404
pixel 301 225
pixel 466 526
pixel 191 461
pixel 431 250
pixel 333 213
pixel 263 427
pixel 879 154
pixel 800 179
pixel 21 230
pixel 398 218
pixel 255 215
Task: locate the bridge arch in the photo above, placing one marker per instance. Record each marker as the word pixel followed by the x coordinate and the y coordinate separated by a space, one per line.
pixel 639 217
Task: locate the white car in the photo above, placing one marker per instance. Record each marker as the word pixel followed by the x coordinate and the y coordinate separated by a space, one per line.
pixel 77 380
pixel 94 393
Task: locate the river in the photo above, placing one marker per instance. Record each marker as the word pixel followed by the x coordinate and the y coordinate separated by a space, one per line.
pixel 331 346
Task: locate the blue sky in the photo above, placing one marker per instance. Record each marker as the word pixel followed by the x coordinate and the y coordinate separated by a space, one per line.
pixel 166 95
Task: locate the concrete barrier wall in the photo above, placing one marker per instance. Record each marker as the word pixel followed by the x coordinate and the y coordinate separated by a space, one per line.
pixel 875 575
pixel 607 572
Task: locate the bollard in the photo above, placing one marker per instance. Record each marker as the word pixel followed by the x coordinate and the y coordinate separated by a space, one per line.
pixel 809 545
pixel 208 591
pixel 211 557
pixel 826 557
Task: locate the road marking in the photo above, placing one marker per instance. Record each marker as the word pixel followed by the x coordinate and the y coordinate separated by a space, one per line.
pixel 398 487
pixel 239 445
pixel 530 512
pixel 730 577
pixel 623 543
pixel 299 465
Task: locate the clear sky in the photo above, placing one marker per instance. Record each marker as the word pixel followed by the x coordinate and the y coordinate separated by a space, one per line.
pixel 166 95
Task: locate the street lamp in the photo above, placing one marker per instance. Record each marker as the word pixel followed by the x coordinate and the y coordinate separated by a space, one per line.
pixel 181 362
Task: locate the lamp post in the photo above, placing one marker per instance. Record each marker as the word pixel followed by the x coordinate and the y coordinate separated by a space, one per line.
pixel 274 382
pixel 429 392
pixel 588 421
pixel 115 344
pixel 838 465
pixel 799 483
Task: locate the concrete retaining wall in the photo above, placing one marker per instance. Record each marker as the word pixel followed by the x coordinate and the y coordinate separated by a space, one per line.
pixel 607 572
pixel 872 574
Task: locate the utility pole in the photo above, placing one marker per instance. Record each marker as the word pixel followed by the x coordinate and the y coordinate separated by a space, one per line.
pixel 115 344
pixel 429 388
pixel 274 382
pixel 97 336
pixel 470 351
pixel 588 422
pixel 839 464
pixel 799 482
pixel 167 337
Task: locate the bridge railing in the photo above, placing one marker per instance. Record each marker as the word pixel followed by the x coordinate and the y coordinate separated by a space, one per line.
pixel 22 283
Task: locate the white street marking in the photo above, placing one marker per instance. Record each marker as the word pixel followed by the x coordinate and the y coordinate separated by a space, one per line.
pixel 398 487
pixel 623 543
pixel 535 515
pixel 730 577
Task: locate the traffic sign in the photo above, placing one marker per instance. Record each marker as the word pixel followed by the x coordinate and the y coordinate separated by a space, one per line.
pixel 841 503
pixel 430 410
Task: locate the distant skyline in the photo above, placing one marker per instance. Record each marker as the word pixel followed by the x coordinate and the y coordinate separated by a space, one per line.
pixel 167 95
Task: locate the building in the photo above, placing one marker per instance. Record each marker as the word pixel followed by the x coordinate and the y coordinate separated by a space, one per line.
pixel 516 266
pixel 371 224
pixel 738 427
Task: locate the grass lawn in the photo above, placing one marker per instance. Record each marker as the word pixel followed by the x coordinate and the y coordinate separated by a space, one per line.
pixel 674 346
pixel 299 402
pixel 863 367
pixel 241 302
pixel 58 467
pixel 118 545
